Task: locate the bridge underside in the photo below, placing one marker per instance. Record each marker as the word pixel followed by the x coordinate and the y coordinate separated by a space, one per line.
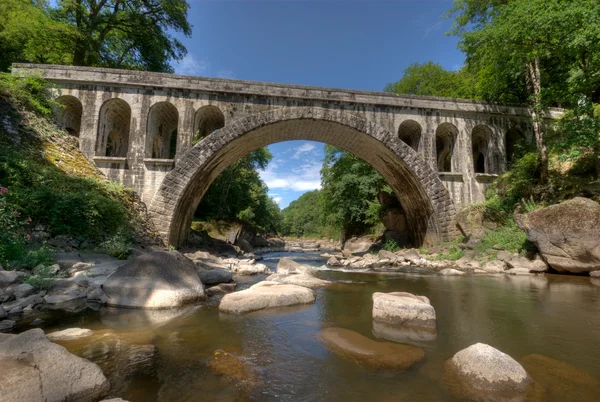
pixel 428 206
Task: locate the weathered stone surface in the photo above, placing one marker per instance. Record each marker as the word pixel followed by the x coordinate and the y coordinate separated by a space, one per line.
pixel 213 276
pixel 482 372
pixel 24 302
pixel 7 325
pixel 567 235
pixel 518 271
pixel 595 274
pixel 68 334
pixel 249 267
pixel 221 289
pixel 522 263
pixel 412 256
pixel 24 290
pixel 358 244
pixel 289 266
pixel 265 295
pixel 63 376
pixel 304 280
pixel 9 277
pixel 3 312
pixel 235 369
pixel 451 272
pixel 561 381
pixel 333 262
pixel 404 309
pixel 91 270
pixel 159 279
pixel 504 255
pixel 368 353
pixel 20 381
pixel 388 255
pixel 402 333
pixel 494 267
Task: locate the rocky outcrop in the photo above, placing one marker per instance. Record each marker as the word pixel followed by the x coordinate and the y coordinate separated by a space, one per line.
pixel 221 289
pixel 35 369
pixel 7 278
pixel 158 279
pixel 404 309
pixel 567 235
pixel 368 353
pixel 304 280
pixel 289 266
pixel 358 244
pixel 481 372
pixel 265 295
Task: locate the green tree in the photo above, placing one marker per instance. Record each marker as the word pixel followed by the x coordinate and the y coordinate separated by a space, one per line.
pixel 349 192
pixel 304 216
pixel 543 52
pixel 431 79
pixel 239 193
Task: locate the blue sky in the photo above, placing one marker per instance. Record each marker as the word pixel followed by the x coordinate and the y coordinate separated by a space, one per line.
pixel 340 44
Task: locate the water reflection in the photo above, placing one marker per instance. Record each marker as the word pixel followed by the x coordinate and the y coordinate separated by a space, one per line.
pixel 162 356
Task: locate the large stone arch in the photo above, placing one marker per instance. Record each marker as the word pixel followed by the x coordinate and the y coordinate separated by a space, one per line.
pixel 429 208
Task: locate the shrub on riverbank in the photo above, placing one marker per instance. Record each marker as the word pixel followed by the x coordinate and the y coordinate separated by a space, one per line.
pixel 50 188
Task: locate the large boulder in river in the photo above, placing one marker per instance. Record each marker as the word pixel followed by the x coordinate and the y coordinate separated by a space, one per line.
pixel 289 266
pixel 567 235
pixel 35 369
pixel 404 309
pixel 265 295
pixel 358 244
pixel 213 276
pixel 159 279
pixel 304 280
pixel 481 372
pixel 368 353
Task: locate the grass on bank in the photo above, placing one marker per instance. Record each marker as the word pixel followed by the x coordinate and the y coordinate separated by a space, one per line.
pixel 48 186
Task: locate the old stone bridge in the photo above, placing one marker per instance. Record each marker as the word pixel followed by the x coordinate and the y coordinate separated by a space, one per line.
pixel 169 136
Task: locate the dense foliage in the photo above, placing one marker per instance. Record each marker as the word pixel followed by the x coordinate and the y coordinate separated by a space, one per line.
pixel 239 193
pixel 132 34
pixel 38 195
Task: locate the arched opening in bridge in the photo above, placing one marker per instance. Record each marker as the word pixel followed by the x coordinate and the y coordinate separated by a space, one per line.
pixel 113 128
pixel 445 138
pixel 426 203
pixel 480 141
pixel 161 133
pixel 67 114
pixel 410 133
pixel 513 137
pixel 206 120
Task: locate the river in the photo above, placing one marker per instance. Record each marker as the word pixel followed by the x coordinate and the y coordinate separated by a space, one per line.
pixel 162 356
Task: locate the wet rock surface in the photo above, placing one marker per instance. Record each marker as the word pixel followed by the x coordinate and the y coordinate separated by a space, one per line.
pixel 304 280
pixel 368 353
pixel 70 333
pixel 404 309
pixel 243 373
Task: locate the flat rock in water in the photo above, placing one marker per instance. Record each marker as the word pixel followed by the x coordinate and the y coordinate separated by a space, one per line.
pixel 562 381
pixel 304 280
pixel 368 353
pixel 70 333
pixel 159 279
pixel 265 295
pixel 289 266
pixel 63 376
pixel 481 372
pixel 404 309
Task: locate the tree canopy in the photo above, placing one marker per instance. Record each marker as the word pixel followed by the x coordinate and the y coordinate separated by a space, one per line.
pixel 131 34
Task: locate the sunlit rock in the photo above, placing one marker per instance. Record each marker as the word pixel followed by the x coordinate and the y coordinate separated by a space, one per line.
pixel 70 333
pixel 404 309
pixel 266 295
pixel 304 280
pixel 289 266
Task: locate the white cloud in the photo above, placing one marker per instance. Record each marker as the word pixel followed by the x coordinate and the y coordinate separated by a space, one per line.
pixel 189 65
pixel 302 149
pixel 278 199
pixel 306 177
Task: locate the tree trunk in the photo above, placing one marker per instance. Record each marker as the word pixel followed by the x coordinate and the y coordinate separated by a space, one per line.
pixel 536 110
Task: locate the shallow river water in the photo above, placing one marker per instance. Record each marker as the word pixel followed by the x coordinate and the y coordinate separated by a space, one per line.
pixel 162 356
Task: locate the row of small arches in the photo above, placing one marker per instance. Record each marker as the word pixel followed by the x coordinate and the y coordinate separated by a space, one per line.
pixel 486 158
pixel 114 121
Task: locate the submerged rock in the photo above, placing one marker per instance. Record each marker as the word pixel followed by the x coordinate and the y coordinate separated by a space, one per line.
pixel 51 369
pixel 562 381
pixel 481 372
pixel 404 309
pixel 368 353
pixel 265 295
pixel 567 235
pixel 70 333
pixel 243 373
pixel 158 279
pixel 304 280
pixel 403 334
